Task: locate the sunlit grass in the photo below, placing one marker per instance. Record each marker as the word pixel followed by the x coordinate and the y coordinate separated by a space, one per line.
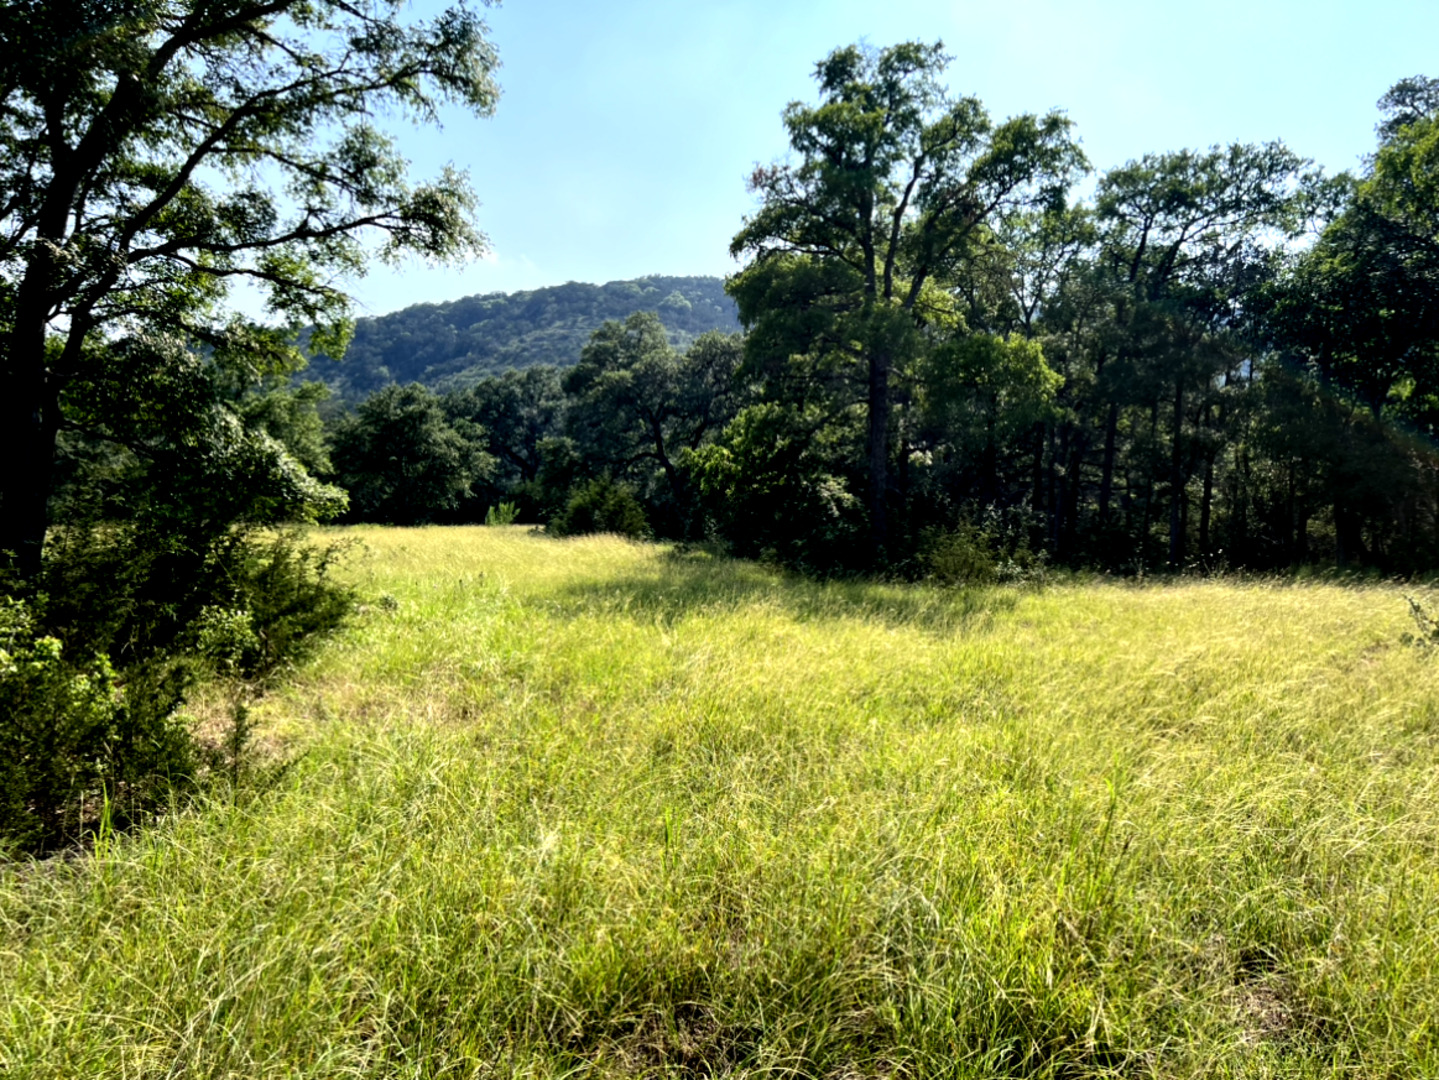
pixel 591 808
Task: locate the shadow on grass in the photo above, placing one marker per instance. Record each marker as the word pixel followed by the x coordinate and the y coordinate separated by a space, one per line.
pixel 681 584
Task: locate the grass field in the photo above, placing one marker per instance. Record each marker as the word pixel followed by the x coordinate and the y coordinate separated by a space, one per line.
pixel 587 808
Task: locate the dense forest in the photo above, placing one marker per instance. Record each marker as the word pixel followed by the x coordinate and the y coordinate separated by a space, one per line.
pixel 455 344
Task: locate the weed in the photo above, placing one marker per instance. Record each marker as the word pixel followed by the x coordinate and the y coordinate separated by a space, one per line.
pixel 506 513
pixel 1426 625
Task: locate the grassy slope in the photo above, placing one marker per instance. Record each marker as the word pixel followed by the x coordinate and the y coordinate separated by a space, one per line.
pixel 582 807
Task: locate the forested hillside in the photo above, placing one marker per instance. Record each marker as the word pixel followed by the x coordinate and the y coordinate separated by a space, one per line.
pixel 455 344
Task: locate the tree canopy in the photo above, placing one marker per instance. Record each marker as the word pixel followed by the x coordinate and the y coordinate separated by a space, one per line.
pixel 152 152
pixel 895 186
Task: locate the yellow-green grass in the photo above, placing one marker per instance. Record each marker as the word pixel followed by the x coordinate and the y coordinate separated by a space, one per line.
pixel 589 808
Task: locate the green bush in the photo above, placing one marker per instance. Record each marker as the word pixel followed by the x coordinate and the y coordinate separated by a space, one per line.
pixel 958 557
pixel 96 664
pixel 504 514
pixel 973 555
pixel 290 599
pixel 134 594
pixel 1426 625
pixel 601 506
pixel 78 738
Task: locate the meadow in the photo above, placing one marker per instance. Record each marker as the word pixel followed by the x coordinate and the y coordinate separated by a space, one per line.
pixel 592 808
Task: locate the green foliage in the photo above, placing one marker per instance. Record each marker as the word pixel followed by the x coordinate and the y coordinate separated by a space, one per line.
pixel 1362 305
pixel 601 505
pixel 636 406
pixel 182 443
pixel 958 557
pixel 774 486
pixel 506 513
pixel 456 344
pixel 402 459
pixel 96 667
pixel 983 388
pixel 291 416
pixel 517 412
pixel 895 187
pixel 155 153
pixel 1426 625
pixel 77 739
pixel 980 554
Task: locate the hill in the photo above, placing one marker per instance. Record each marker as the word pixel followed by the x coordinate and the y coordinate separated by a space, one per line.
pixel 456 344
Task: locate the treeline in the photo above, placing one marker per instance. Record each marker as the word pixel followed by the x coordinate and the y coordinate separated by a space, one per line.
pixel 608 444
pixel 1224 359
pixel 454 344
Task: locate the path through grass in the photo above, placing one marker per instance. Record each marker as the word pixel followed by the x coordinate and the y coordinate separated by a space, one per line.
pixel 582 807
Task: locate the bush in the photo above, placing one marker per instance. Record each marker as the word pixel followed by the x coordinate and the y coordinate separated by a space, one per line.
pixel 974 555
pixel 78 738
pixel 1426 625
pixel 601 506
pixel 95 665
pixel 504 514
pixel 173 554
pixel 958 557
pixel 133 594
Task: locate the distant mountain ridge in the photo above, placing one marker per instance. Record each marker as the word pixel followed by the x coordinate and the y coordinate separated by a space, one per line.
pixel 455 344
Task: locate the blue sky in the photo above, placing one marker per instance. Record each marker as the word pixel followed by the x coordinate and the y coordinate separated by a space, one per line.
pixel 627 127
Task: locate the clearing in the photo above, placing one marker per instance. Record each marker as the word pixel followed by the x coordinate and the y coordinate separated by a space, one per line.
pixel 585 807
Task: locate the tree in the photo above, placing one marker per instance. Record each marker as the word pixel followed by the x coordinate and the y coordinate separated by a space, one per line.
pixel 895 184
pixel 636 403
pixel 1363 304
pixel 152 152
pixel 1187 238
pixel 518 411
pixel 401 459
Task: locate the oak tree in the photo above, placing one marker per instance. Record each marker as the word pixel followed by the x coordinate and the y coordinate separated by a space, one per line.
pixel 154 152
pixel 892 183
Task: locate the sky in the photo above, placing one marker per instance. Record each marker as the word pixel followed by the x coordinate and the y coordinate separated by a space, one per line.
pixel 626 128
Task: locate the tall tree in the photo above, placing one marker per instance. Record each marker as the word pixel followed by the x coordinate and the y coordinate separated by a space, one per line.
pixel 154 151
pixel 403 461
pixel 1186 237
pixel 894 182
pixel 1363 304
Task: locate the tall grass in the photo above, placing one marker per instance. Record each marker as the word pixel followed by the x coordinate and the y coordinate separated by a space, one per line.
pixel 583 807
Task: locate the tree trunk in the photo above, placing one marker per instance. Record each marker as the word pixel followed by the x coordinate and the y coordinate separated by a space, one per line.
pixel 1239 502
pixel 1106 479
pixel 1036 480
pixel 1205 506
pixel 1073 481
pixel 1290 545
pixel 29 422
pixel 1052 489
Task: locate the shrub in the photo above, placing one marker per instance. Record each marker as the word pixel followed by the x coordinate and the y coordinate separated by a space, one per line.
pixel 1426 625
pixel 601 506
pixel 504 514
pixel 974 555
pixel 958 557
pixel 77 737
pixel 95 665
